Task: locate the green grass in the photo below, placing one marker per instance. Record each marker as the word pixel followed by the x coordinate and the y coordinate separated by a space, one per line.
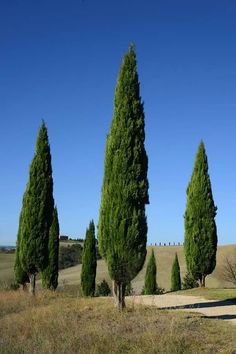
pixel 164 257
pixel 56 323
pixel 210 294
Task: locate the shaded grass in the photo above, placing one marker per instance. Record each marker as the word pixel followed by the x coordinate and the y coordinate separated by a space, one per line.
pixel 210 294
pixel 56 323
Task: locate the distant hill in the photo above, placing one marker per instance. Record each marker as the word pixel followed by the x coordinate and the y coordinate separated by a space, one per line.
pixel 164 256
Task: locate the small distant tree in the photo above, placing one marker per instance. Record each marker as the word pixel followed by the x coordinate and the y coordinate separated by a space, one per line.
pixel 37 211
pixel 200 243
pixel 89 262
pixel 150 285
pixel 175 275
pixel 50 273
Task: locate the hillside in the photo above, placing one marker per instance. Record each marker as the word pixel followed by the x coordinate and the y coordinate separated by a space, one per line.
pixel 164 256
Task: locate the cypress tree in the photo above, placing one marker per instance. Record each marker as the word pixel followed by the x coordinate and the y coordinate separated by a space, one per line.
pixel 50 273
pixel 89 262
pixel 200 242
pixel 37 211
pixel 150 285
pixel 175 275
pixel 21 277
pixel 122 232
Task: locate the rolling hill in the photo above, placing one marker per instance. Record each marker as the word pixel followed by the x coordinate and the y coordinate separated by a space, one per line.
pixel 164 257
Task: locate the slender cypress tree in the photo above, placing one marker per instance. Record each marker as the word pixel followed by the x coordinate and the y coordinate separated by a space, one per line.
pixel 89 262
pixel 37 211
pixel 175 275
pixel 200 242
pixel 150 285
pixel 50 273
pixel 122 232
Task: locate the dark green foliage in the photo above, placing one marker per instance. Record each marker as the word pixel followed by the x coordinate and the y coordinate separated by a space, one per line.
pixel 70 256
pixel 103 289
pixel 189 282
pixel 175 275
pixel 150 286
pixel 122 232
pixel 200 242
pixel 21 277
pixel 37 210
pixel 50 273
pixel 129 289
pixel 89 262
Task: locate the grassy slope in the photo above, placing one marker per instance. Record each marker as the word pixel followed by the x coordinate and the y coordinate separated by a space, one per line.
pixel 56 323
pixel 164 257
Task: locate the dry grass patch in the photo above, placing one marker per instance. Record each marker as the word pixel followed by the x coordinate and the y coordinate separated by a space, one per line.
pixel 56 323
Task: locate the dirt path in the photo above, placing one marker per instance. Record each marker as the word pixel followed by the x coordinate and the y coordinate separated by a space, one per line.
pixel 225 310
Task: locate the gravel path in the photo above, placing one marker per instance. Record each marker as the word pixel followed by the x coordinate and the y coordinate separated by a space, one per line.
pixel 225 310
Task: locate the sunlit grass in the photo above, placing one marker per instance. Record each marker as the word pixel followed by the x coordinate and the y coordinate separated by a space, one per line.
pixel 211 294
pixel 56 323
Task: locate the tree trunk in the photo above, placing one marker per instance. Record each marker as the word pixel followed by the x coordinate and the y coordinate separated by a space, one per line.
pixel 119 295
pixel 201 281
pixel 32 284
pixel 24 287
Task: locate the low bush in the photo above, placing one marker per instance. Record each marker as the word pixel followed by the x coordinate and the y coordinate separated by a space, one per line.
pixel 103 289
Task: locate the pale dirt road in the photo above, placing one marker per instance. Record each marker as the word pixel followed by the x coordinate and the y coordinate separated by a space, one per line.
pixel 225 310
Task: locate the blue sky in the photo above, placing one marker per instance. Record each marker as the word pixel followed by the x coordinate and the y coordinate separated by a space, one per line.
pixel 59 61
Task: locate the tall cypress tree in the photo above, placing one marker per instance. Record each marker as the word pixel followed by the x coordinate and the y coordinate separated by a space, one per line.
pixel 122 232
pixel 50 273
pixel 200 242
pixel 175 275
pixel 37 211
pixel 150 285
pixel 89 262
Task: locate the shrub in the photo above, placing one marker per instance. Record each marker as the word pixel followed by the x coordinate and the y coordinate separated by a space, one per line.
pixel 129 290
pixel 103 289
pixel 158 291
pixel 189 282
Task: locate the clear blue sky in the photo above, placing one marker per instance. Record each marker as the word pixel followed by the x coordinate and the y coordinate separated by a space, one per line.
pixel 59 61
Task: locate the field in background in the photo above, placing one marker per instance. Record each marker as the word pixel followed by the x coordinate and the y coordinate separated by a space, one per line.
pixel 57 323
pixel 6 267
pixel 164 257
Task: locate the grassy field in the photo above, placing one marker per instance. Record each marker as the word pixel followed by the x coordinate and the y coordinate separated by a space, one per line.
pixel 164 257
pixel 56 323
pixel 6 267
